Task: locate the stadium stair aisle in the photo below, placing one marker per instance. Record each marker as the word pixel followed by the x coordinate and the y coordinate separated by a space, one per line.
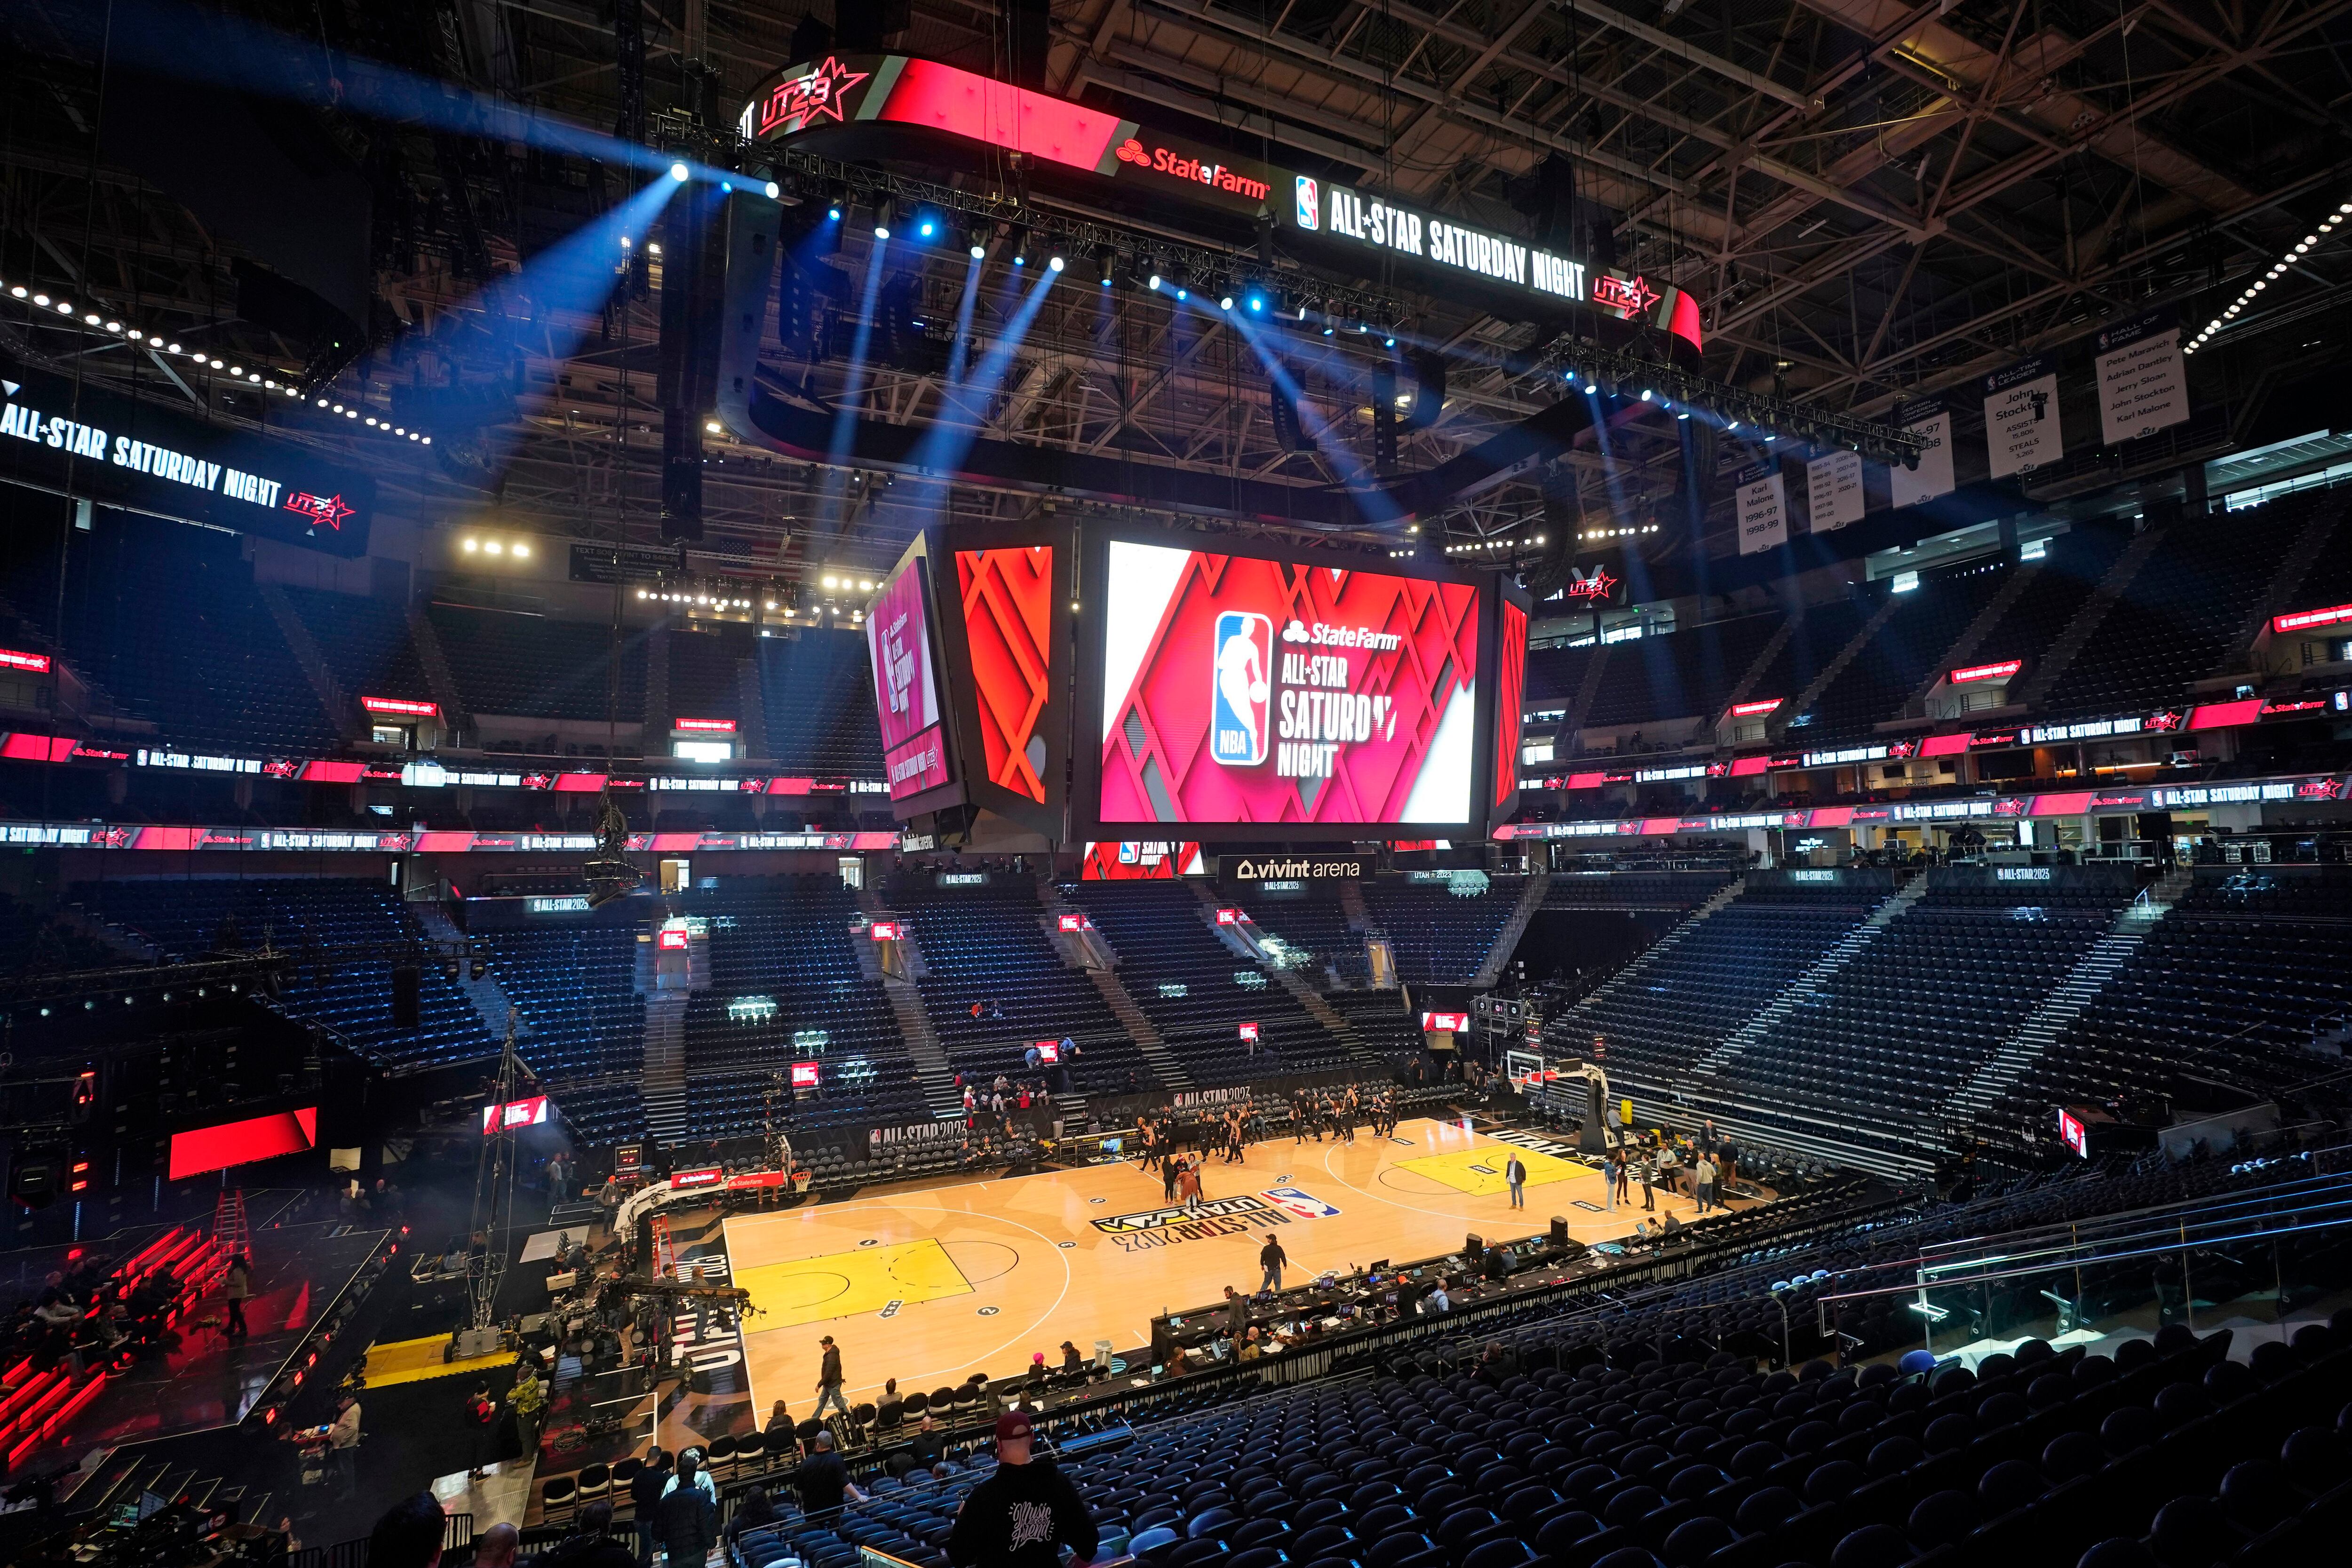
pixel 1809 984
pixel 1531 898
pixel 933 1068
pixel 2070 1001
pixel 1272 961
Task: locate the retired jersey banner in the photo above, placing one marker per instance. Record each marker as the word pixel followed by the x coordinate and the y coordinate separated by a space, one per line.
pixel 2143 380
pixel 2021 409
pixel 1833 491
pixel 1762 509
pixel 1908 486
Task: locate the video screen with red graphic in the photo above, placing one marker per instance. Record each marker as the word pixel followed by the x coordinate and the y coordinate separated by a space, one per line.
pixel 1237 689
pixel 804 1075
pixel 1141 860
pixel 1511 683
pixel 216 1148
pixel 905 688
pixel 531 1112
pixel 1009 629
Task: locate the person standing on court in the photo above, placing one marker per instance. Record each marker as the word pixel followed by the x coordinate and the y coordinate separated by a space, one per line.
pixel 1705 1178
pixel 1271 1257
pixel 1188 1184
pixel 828 1381
pixel 1608 1179
pixel 1515 1172
pixel 1647 1169
pixel 1023 1513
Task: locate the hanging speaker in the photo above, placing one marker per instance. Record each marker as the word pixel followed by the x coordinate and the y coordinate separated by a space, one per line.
pixel 1429 391
pixel 1289 434
pixel 405 978
pixel 1384 421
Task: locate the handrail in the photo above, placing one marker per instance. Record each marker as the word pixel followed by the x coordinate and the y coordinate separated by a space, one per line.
pixel 1823 1304
pixel 2021 1240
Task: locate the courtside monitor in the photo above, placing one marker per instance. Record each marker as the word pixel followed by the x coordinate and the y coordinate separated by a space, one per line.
pixel 1270 696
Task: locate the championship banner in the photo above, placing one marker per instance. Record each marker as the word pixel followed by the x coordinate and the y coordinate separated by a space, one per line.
pixel 1239 689
pixel 1833 491
pixel 1908 486
pixel 1763 508
pixel 2020 408
pixel 142 457
pixel 2143 380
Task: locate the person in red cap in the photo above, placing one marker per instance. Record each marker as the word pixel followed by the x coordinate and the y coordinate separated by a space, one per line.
pixel 1023 1513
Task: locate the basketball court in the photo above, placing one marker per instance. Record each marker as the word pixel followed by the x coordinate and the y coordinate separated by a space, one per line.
pixel 931 1284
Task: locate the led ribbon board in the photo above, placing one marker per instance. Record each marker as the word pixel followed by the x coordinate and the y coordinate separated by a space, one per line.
pixel 843 91
pixel 143 457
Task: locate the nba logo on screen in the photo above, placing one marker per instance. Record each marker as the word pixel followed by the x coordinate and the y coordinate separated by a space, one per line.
pixel 1238 688
pixel 1310 215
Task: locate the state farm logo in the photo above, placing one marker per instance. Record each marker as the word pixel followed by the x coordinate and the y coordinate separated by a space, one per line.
pixel 1633 295
pixel 794 105
pixel 328 510
pixel 1164 160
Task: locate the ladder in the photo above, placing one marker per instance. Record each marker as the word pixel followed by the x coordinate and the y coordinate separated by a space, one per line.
pixel 230 1233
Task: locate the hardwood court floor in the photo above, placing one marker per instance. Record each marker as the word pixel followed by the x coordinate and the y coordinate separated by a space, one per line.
pixel 931 1284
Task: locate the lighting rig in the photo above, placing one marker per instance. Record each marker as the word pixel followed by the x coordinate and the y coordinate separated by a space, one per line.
pixel 1222 280
pixel 1590 367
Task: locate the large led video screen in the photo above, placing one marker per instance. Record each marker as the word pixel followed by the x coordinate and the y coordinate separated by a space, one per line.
pixel 255 1138
pixel 906 685
pixel 1009 625
pixel 1237 689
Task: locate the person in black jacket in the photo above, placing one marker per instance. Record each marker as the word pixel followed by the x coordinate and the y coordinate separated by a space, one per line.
pixel 1023 1513
pixel 592 1546
pixel 644 1494
pixel 686 1520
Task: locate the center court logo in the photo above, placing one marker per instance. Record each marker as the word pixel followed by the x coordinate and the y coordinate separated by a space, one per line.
pixel 1243 666
pixel 1304 1205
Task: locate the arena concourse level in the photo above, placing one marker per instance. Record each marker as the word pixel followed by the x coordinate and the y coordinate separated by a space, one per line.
pixel 967 785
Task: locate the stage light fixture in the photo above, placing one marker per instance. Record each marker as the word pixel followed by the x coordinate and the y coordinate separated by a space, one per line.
pixel 772 190
pixel 1016 244
pixel 885 212
pixel 1106 265
pixel 978 251
pixel 1225 301
pixel 927 226
pixel 679 173
pixel 1054 263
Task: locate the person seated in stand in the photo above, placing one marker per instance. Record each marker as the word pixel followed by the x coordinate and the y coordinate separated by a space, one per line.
pixel 1672 1228
pixel 1071 1360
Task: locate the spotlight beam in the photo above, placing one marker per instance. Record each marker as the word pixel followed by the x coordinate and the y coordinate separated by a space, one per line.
pixel 246 56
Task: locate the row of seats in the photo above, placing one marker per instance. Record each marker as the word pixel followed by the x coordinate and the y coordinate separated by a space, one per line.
pixel 1705 980
pixel 1438 935
pixel 786 986
pixel 1197 991
pixel 2243 982
pixel 984 948
pixel 1883 1043
pixel 346 935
